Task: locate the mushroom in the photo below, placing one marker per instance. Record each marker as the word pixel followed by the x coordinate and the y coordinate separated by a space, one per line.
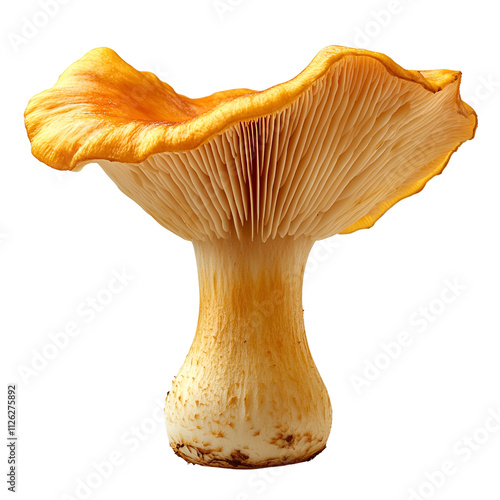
pixel 253 179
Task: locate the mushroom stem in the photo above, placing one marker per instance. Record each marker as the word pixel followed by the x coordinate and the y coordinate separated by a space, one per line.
pixel 249 394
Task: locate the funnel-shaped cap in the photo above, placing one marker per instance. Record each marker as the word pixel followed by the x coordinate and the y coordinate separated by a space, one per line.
pixel 329 151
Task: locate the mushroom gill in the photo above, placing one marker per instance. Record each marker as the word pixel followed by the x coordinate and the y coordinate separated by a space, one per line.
pixel 273 175
pixel 253 179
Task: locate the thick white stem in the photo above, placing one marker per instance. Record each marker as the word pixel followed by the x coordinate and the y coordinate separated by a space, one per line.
pixel 249 394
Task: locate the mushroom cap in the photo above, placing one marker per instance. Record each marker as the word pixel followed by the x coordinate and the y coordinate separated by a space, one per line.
pixel 329 151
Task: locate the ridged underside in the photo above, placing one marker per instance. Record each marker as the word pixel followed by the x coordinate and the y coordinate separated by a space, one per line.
pixel 344 149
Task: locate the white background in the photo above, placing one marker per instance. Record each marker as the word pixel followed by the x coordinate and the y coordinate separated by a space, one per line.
pixel 62 235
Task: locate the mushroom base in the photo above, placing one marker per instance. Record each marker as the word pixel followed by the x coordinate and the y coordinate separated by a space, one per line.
pixel 249 394
pixel 237 460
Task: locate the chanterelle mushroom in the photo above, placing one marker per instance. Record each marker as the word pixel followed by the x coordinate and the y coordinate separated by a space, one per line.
pixel 253 179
